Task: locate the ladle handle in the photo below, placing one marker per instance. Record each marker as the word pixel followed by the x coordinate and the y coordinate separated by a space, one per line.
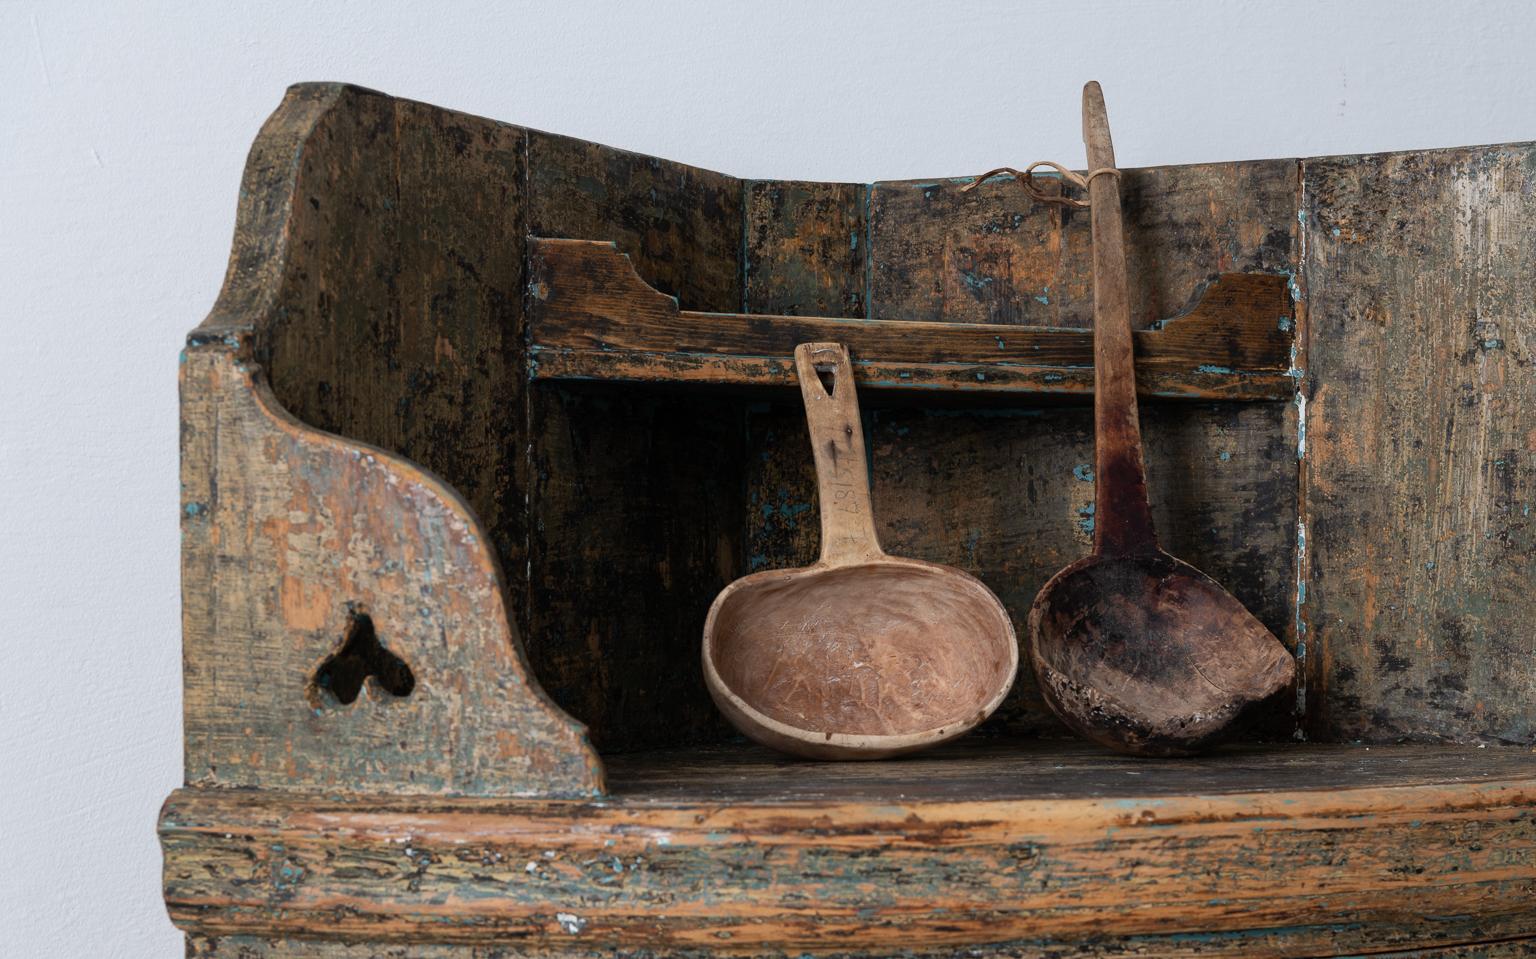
pixel 1122 516
pixel 837 440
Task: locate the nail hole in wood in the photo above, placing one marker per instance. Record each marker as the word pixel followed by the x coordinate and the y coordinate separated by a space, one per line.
pixel 341 677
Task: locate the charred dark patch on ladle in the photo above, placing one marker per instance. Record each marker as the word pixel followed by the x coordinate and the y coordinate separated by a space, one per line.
pixel 1124 521
pixel 1148 655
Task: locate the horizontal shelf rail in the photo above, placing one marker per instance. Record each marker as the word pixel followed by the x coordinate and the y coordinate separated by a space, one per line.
pixel 592 317
pixel 1280 850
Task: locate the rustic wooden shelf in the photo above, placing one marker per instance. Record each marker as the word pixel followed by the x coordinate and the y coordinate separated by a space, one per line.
pixel 369 462
pixel 592 317
pixel 1014 847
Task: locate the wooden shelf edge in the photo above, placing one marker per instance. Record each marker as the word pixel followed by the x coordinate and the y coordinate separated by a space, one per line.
pixel 1285 872
pixel 592 317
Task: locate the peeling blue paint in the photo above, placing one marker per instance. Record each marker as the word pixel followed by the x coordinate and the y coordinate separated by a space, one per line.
pixel 1292 285
pixel 1085 522
pixel 976 284
pixel 1212 368
pixel 1084 472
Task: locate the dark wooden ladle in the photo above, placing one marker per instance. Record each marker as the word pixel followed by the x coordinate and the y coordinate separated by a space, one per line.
pixel 861 655
pixel 1133 648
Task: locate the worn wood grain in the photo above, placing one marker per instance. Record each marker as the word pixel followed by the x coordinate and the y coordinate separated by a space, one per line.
pixel 993 255
pixel 805 247
pixel 634 503
pixel 289 533
pixel 637 526
pixel 376 283
pixel 1421 445
pixel 249 947
pixel 593 317
pixel 998 768
pixel 399 319
pixel 681 225
pixel 462 369
pixel 1357 865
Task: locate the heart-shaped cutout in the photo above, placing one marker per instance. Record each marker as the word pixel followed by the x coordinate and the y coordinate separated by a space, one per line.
pixel 361 656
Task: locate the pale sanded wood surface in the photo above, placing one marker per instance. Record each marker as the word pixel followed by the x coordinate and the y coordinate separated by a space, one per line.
pixel 864 654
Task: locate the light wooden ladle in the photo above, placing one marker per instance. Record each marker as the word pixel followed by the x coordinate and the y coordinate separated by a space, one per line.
pixel 861 655
pixel 1133 648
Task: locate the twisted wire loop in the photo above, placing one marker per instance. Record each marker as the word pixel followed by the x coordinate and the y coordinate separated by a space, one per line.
pixel 1026 178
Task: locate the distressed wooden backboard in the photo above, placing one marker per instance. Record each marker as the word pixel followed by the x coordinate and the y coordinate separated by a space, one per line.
pixel 1379 522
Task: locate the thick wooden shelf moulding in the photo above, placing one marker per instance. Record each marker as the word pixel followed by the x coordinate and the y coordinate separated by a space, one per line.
pixel 592 317
pixel 1015 848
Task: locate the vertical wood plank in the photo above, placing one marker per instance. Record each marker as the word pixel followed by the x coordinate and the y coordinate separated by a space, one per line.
pixel 1421 276
pixel 332 351
pixel 993 255
pixel 805 248
pixel 462 216
pixel 681 225
pixel 635 501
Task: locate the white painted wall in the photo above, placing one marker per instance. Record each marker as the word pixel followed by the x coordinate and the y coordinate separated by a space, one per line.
pixel 123 130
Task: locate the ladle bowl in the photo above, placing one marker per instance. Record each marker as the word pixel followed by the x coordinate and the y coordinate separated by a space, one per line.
pixel 1148 655
pixel 860 655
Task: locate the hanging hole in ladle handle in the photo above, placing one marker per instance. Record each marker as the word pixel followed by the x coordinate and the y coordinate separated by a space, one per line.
pixel 837 442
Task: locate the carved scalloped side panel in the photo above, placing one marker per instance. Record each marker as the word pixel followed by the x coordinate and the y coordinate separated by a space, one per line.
pixel 345 624
pixel 290 535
